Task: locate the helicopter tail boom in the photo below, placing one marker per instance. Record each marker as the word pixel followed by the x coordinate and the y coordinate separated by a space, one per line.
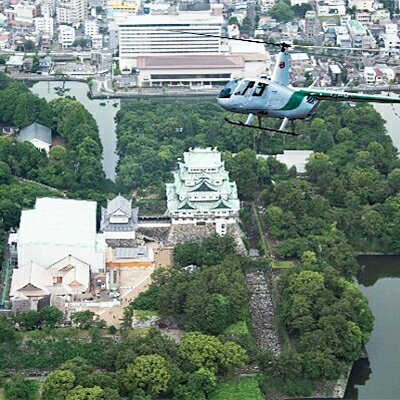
pixel 343 96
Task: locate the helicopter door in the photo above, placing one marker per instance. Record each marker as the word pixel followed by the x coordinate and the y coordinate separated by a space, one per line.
pixel 274 99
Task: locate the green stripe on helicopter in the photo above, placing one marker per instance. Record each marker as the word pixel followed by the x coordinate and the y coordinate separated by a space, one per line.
pixel 295 100
pixel 343 96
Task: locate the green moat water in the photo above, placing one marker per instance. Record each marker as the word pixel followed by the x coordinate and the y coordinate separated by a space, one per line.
pixel 378 377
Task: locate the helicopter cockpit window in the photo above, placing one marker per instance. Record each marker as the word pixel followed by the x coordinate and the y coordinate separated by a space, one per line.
pixel 244 87
pixel 228 89
pixel 260 88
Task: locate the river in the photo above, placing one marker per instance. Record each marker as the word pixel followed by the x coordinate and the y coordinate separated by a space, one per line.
pixel 104 116
pixel 379 376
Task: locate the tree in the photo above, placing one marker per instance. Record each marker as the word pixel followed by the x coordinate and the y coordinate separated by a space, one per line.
pixel 7 332
pixel 186 253
pixel 19 388
pixel 281 12
pixel 58 385
pixel 28 320
pixel 82 42
pixel 84 319
pixel 83 393
pixel 149 372
pixel 5 173
pixel 301 9
pixel 29 45
pixel 393 179
pixel 51 316
pixel 204 351
pixel 243 169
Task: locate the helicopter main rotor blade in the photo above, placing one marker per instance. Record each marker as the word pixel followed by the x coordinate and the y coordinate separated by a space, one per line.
pixel 378 50
pixel 228 38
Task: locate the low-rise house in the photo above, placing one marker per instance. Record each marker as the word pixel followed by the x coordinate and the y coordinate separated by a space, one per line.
pixel 27 64
pixel 45 65
pixel 37 134
pixel 14 63
pixel 68 277
pixel 369 75
pixel 335 73
pixel 4 40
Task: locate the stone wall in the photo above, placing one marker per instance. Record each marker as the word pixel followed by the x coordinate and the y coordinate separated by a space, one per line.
pixel 262 309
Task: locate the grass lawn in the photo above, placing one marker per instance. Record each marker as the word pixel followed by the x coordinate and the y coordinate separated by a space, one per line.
pixel 2 395
pixel 246 388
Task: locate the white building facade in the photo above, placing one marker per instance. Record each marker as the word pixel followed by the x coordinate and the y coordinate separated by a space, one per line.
pixel 66 35
pixel 44 25
pixel 57 228
pixel 150 35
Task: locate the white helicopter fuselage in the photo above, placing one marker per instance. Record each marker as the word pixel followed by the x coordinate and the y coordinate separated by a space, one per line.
pixel 266 98
pixel 275 97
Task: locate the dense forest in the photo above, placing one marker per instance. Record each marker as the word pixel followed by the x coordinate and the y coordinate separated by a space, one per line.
pixel 353 179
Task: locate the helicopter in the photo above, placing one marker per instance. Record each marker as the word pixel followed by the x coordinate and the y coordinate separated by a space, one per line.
pixel 275 96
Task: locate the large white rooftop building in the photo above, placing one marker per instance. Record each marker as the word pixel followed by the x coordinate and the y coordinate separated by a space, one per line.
pixel 151 35
pixel 56 228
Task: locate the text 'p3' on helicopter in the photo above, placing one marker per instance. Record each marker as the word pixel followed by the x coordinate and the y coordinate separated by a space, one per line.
pixel 275 97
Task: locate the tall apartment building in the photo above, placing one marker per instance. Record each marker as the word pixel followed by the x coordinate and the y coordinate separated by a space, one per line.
pixel 72 11
pixel 91 27
pixel 66 35
pixel 311 28
pixel 150 35
pixel 44 25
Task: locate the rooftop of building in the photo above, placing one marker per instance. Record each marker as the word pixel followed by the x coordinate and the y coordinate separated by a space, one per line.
pixel 59 222
pixel 357 27
pixel 180 19
pixel 189 62
pixel 122 207
pixel 35 131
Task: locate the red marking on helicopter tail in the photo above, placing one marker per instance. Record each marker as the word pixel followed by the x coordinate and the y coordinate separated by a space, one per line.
pixel 282 64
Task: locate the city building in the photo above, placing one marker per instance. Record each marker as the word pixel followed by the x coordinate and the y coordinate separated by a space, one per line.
pixel 91 27
pixel 97 41
pixel 72 11
pixel 360 36
pixel 201 191
pixel 328 8
pixel 44 25
pixel 66 35
pixel 156 35
pixel 207 70
pixel 37 134
pixel 57 228
pixel 14 63
pixel 311 27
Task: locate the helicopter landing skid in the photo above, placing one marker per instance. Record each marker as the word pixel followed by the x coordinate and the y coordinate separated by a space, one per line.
pixel 240 123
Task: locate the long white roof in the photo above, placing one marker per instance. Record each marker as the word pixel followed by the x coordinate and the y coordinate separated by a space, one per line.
pixel 62 222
